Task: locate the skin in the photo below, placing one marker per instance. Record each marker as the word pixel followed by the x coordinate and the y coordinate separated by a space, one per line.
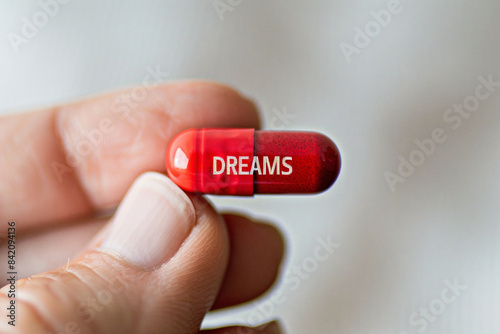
pixel 61 219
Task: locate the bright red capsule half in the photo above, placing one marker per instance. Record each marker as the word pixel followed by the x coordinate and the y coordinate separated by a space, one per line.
pixel 246 162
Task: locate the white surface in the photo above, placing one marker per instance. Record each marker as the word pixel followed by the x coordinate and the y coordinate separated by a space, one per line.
pixel 397 248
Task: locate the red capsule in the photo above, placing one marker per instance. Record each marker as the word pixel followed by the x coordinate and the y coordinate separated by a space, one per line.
pixel 247 162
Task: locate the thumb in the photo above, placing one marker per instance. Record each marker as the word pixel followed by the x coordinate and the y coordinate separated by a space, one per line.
pixel 158 271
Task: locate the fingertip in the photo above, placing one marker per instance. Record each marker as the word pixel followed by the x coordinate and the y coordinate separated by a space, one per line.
pixel 223 106
pixel 152 222
pixel 274 239
pixel 256 253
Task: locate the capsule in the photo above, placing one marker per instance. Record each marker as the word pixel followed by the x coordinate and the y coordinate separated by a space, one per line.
pixel 246 162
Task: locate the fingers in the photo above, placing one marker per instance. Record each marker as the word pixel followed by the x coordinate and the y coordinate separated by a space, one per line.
pixel 72 161
pixel 256 251
pixel 256 254
pixel 158 270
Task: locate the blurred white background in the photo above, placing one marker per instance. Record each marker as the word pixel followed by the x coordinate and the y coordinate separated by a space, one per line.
pixel 396 250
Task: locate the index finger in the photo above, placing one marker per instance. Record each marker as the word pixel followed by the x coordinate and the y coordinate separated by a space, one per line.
pixel 77 160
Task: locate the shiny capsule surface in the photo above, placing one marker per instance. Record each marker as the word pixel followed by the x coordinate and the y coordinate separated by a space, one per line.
pixel 247 162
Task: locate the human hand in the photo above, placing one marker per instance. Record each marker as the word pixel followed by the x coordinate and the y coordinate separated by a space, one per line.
pixel 165 258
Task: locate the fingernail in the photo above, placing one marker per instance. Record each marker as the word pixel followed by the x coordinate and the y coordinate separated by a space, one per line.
pixel 269 328
pixel 151 223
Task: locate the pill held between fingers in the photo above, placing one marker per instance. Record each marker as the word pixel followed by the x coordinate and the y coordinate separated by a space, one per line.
pixel 246 162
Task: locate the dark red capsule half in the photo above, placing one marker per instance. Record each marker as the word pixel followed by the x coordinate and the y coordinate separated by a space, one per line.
pixel 247 162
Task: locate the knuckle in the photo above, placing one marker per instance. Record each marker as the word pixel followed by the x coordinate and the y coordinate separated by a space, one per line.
pixel 75 299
